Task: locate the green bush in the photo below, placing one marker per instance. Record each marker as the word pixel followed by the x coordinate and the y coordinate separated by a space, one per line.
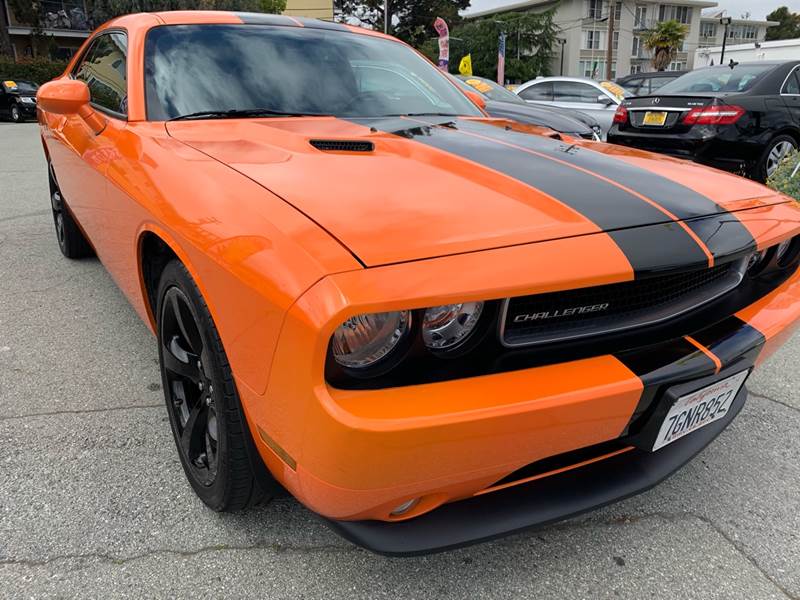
pixel 37 70
pixel 786 178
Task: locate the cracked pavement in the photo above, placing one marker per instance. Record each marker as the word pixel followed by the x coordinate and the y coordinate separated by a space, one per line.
pixel 93 500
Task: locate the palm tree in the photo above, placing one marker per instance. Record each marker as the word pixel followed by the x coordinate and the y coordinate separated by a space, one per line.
pixel 664 42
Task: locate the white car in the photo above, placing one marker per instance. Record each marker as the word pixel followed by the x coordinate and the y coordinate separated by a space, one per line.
pixel 596 98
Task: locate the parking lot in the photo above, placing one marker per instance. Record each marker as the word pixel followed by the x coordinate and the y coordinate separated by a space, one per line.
pixel 93 501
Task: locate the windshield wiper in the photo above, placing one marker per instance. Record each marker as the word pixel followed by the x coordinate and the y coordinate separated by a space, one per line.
pixel 237 113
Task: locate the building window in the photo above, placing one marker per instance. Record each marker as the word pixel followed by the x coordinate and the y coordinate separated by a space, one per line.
pixel 708 30
pixel 670 12
pixel 637 68
pixel 618 12
pixel 596 69
pixel 593 40
pixel 594 9
pixel 640 17
pixel 677 65
pixel 742 32
pixel 638 49
pixel 615 42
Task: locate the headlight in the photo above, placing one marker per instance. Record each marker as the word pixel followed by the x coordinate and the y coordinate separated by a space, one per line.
pixel 364 340
pixel 756 262
pixel 448 326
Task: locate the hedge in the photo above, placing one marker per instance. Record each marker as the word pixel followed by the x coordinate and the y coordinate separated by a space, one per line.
pixel 786 178
pixel 37 70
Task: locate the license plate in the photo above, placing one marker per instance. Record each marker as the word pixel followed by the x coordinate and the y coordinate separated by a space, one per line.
pixel 698 409
pixel 655 118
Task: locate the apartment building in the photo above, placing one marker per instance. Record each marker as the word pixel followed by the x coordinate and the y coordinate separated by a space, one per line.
pixel 584 31
pixel 65 25
pixel 740 31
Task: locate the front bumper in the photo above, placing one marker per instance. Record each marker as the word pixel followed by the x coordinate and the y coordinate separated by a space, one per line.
pixel 353 456
pixel 534 504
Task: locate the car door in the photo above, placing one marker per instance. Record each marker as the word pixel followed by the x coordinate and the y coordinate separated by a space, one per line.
pixel 584 97
pixel 791 94
pixel 80 156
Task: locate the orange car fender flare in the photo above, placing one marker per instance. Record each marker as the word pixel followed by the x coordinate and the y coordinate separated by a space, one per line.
pixel 177 249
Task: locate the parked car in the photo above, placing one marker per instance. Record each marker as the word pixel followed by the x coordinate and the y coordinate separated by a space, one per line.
pixel 17 99
pixel 644 84
pixel 596 98
pixel 743 118
pixel 429 328
pixel 504 104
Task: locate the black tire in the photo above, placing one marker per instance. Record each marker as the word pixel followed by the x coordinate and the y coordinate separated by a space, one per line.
pixel 71 241
pixel 199 389
pixel 16 114
pixel 765 163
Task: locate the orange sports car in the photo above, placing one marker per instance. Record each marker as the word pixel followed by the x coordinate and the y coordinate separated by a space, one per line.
pixel 429 326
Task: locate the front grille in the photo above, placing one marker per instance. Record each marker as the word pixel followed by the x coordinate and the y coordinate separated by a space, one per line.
pixel 595 311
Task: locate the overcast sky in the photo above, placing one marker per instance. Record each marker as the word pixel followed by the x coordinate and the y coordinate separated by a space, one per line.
pixel 758 8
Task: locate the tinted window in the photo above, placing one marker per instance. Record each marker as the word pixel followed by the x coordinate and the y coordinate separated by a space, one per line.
pixel 104 69
pixel 572 91
pixel 633 86
pixel 656 83
pixel 717 79
pixel 198 68
pixel 543 92
pixel 792 85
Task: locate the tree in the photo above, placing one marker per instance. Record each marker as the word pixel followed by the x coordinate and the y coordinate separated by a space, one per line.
pixel 411 20
pixel 530 38
pixel 789 24
pixel 101 11
pixel 30 13
pixel 664 41
pixel 5 39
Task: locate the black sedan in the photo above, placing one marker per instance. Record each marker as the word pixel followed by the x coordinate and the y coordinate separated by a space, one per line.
pixel 17 99
pixel 503 104
pixel 739 117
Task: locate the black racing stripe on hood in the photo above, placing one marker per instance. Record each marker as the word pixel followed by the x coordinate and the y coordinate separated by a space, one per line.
pixel 683 202
pixel 612 209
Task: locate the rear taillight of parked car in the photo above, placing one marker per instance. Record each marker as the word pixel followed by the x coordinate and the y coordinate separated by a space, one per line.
pixel 724 114
pixel 621 116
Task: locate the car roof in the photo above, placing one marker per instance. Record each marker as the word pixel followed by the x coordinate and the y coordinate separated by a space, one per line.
pixel 576 79
pixel 653 75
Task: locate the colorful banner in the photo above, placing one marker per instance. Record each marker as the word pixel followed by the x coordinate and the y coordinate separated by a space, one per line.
pixel 444 42
pixel 465 66
pixel 501 60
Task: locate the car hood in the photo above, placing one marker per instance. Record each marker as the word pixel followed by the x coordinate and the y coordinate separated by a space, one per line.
pixel 527 113
pixel 399 189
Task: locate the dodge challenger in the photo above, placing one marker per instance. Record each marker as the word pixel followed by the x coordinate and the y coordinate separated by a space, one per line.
pixel 429 326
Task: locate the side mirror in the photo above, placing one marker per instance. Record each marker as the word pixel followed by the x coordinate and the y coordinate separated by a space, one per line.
pixel 477 99
pixel 70 97
pixel 605 100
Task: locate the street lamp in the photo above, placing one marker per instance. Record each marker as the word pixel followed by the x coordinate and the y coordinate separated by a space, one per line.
pixel 726 21
pixel 562 42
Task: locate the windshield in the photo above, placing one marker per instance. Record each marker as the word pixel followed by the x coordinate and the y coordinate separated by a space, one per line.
pixel 490 89
pixel 217 68
pixel 25 87
pixel 716 79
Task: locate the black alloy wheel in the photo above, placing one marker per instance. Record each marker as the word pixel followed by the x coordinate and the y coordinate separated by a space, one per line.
pixel 208 424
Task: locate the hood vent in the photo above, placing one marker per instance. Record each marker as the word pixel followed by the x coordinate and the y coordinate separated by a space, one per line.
pixel 343 145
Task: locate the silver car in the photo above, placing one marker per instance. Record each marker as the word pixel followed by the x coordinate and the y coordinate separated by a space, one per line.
pixel 596 98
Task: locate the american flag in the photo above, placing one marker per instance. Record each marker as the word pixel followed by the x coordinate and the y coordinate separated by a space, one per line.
pixel 501 60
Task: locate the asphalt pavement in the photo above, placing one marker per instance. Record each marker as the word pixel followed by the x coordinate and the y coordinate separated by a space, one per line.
pixel 93 501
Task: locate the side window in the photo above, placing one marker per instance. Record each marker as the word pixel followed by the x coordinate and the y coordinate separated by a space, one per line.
pixel 104 69
pixel 634 85
pixel 658 82
pixel 543 92
pixel 792 85
pixel 573 91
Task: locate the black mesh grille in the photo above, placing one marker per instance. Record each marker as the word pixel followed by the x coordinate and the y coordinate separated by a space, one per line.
pixel 343 145
pixel 597 310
